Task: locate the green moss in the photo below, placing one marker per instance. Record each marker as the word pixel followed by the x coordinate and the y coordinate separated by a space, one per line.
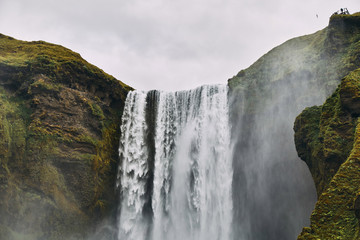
pixel 307 133
pixel 50 59
pixel 13 117
pixel 47 133
pixel 104 162
pixel 87 139
pixel 59 133
pixel 336 129
pixel 324 138
pixel 334 216
pixel 333 157
pixel 96 110
pixel 43 85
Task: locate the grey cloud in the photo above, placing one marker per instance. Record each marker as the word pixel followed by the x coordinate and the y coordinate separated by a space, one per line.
pixel 167 44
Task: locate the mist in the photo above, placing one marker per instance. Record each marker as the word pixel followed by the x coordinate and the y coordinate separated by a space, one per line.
pixel 273 191
pixel 176 170
pixel 170 180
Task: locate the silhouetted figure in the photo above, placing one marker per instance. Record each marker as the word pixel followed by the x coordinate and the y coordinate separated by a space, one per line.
pixel 342 11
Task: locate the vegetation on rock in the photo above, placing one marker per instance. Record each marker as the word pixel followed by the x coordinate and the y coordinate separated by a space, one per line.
pixel 59 118
pixel 326 147
pixel 328 140
pixel 303 71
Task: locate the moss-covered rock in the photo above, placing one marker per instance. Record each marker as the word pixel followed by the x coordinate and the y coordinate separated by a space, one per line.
pixel 327 139
pixel 297 74
pixel 324 138
pixel 59 134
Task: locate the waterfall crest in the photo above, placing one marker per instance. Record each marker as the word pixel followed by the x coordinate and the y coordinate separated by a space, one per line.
pixel 176 169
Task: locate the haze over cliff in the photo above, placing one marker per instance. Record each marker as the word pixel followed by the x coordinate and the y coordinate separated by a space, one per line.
pixel 272 187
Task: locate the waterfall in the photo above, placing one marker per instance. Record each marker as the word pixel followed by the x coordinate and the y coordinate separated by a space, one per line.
pixel 176 171
pixel 134 166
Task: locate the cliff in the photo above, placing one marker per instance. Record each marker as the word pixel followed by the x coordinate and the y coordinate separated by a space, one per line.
pixel 265 99
pixel 318 59
pixel 59 134
pixel 327 139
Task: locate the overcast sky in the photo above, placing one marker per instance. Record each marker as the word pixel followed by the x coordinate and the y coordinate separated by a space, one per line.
pixel 168 44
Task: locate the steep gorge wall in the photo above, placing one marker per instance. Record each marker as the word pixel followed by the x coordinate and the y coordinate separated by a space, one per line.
pixel 327 139
pixel 264 101
pixel 59 135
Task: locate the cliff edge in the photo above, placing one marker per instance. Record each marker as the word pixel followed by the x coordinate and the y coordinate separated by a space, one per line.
pixel 264 101
pixel 59 135
pixel 327 139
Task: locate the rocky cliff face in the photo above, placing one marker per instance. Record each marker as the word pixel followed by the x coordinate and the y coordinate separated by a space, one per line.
pixel 327 139
pixel 59 134
pixel 265 99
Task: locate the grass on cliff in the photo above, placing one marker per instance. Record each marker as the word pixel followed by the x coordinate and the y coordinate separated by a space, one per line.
pixel 334 216
pixel 14 116
pixel 337 166
pixel 320 59
pixel 50 59
pixel 56 109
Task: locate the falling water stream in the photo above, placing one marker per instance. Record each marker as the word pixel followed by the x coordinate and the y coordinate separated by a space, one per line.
pixel 176 169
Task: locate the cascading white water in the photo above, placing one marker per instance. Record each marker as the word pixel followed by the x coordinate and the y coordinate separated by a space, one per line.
pixel 187 180
pixel 134 167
